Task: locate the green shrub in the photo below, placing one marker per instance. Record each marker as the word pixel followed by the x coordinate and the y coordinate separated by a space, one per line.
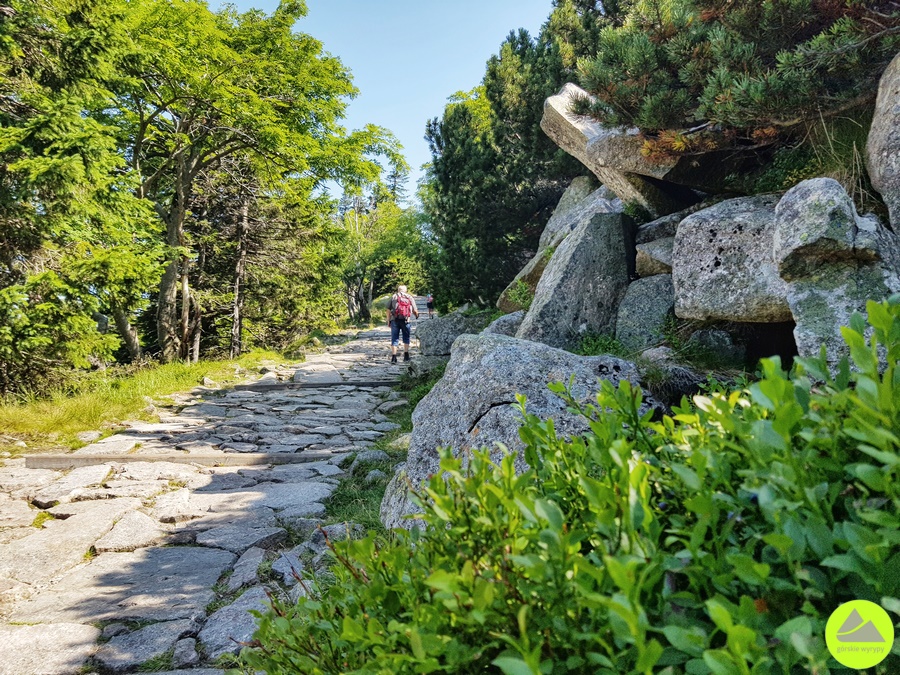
pixel 595 344
pixel 718 540
pixel 521 295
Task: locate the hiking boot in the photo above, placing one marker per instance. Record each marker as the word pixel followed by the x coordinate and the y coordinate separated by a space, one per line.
pixel 406 356
pixel 393 358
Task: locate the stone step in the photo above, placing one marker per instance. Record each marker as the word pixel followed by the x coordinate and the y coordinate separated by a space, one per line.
pixel 64 462
pixel 314 385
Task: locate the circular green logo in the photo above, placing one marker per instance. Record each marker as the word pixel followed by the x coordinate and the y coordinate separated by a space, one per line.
pixel 859 634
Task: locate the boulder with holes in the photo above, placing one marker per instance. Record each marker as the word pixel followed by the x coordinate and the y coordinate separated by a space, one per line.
pixel 473 406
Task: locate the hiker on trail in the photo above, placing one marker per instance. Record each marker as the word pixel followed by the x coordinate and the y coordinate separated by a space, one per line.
pixel 400 309
pixel 429 302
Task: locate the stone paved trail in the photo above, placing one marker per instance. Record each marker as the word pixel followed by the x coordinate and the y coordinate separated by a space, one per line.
pixel 145 558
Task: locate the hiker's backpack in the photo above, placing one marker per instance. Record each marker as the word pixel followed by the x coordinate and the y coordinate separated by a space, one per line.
pixel 403 307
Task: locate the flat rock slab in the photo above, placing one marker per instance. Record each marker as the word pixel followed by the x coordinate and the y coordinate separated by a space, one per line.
pixel 109 446
pixel 126 652
pixel 15 512
pixel 14 478
pixel 135 530
pixel 246 569
pixel 228 627
pixel 277 496
pixel 49 552
pixel 150 471
pixel 138 490
pixel 160 584
pixel 317 373
pixel 46 649
pixel 238 539
pixel 224 481
pixel 61 489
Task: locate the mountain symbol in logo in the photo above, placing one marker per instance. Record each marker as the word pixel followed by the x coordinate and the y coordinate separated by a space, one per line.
pixel 856 629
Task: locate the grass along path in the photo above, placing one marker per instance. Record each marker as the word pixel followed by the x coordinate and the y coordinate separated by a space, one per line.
pixel 357 501
pixel 108 398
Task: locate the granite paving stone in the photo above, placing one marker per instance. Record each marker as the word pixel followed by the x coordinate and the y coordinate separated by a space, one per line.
pixel 126 652
pixel 246 569
pixel 238 539
pixel 153 584
pixel 228 627
pixel 46 649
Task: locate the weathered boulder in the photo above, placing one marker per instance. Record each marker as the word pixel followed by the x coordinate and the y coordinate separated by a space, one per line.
pixel 722 264
pixel 436 335
pixel 883 146
pixel 615 156
pixel 816 223
pixel 472 406
pixel 580 289
pixel 654 257
pixel 603 151
pixel 507 324
pixel 833 260
pixel 643 312
pixel 558 227
pixel 565 219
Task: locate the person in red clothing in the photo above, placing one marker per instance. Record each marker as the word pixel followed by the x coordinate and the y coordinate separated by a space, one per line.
pixel 401 309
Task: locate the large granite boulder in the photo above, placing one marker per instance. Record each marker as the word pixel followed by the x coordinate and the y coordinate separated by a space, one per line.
pixel 559 225
pixel 722 265
pixel 883 147
pixel 616 156
pixel 603 151
pixel 565 219
pixel 437 335
pixel 472 406
pixel 647 304
pixel 580 289
pixel 833 260
pixel 507 324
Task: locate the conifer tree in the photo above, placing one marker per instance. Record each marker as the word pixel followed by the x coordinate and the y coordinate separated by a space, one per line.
pixel 756 67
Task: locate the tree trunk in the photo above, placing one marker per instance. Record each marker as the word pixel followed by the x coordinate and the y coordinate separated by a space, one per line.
pixel 239 267
pixel 364 313
pixel 128 334
pixel 167 302
pixel 166 314
pixel 185 310
pixel 196 330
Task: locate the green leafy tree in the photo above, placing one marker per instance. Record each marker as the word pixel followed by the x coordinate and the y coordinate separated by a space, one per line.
pixel 64 192
pixel 200 87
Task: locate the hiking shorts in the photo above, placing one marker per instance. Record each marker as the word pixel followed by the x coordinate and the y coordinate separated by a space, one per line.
pixel 396 328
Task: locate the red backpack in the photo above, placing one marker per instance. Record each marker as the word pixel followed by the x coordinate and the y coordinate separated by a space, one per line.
pixel 402 307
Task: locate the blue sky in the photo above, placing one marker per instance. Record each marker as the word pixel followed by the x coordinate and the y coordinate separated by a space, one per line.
pixel 408 56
